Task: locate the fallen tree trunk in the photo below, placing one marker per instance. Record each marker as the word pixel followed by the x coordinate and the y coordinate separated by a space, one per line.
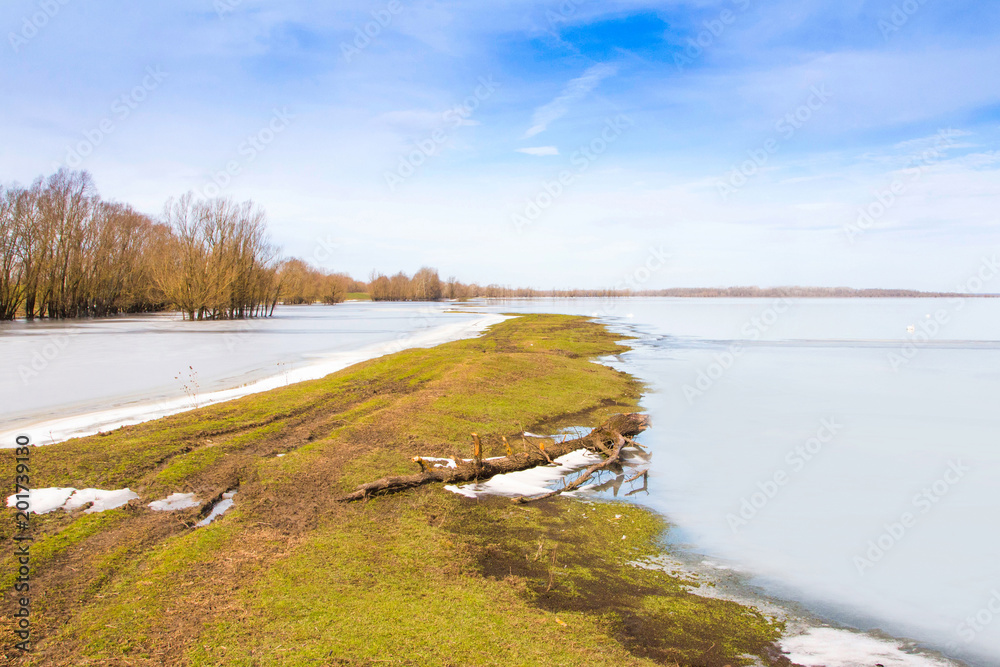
pixel 604 440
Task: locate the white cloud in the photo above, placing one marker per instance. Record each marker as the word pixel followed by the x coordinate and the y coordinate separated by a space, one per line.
pixel 574 91
pixel 539 150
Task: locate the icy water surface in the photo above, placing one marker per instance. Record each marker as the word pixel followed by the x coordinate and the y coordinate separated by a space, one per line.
pixel 841 453
pixel 63 379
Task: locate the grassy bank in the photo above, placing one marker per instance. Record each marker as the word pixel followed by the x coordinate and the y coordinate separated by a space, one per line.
pixel 290 577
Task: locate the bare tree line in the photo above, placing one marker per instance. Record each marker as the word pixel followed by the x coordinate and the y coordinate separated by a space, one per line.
pixel 301 283
pixel 220 262
pixel 65 252
pixel 400 287
pixel 425 285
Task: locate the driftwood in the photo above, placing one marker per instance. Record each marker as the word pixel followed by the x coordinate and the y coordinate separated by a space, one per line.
pixel 614 458
pixel 607 439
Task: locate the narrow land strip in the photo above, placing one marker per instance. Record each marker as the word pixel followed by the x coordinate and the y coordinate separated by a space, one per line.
pixel 291 576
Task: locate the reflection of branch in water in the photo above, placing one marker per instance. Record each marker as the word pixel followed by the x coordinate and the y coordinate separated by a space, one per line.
pixel 615 483
pixel 638 454
pixel 645 484
pixel 602 483
pixel 636 476
pixel 612 474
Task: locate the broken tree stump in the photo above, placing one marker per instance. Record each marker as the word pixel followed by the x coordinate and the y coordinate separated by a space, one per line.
pixel 603 440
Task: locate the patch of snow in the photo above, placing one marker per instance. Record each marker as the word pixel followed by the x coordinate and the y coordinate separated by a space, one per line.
pixel 102 500
pixel 43 501
pixel 531 482
pixel 219 509
pixel 461 491
pixel 830 647
pixel 175 501
pixel 440 462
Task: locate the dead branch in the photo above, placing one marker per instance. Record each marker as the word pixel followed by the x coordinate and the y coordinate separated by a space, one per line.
pixel 615 456
pixel 637 476
pixel 608 437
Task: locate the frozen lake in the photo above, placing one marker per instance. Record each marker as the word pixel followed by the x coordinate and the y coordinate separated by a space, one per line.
pixel 842 454
pixel 830 454
pixel 61 379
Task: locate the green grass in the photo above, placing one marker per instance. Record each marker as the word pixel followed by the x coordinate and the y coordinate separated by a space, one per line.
pixel 358 296
pixel 290 576
pixel 184 466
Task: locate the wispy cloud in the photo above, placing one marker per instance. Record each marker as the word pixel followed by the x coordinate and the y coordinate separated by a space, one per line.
pixel 539 150
pixel 573 92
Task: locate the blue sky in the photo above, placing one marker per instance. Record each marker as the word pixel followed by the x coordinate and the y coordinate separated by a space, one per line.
pixel 550 144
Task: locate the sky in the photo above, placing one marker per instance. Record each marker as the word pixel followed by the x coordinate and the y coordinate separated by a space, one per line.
pixel 545 144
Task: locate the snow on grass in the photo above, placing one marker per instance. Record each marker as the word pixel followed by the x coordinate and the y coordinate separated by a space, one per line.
pixel 830 647
pixel 43 501
pixel 530 482
pixel 175 501
pixel 101 500
pixel 218 510
pixel 440 462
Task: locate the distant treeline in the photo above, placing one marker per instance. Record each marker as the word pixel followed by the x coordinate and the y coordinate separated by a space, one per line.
pixel 792 292
pixel 425 285
pixel 301 283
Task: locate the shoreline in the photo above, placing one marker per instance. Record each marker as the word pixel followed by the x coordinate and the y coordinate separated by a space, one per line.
pixel 143 410
pixel 812 634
